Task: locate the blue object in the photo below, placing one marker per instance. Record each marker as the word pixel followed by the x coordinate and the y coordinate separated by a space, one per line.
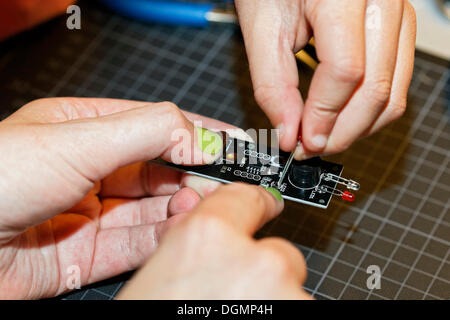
pixel 166 12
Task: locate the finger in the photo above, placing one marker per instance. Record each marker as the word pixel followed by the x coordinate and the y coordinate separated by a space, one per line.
pixel 339 39
pixel 90 205
pixel 63 109
pixel 125 213
pixel 288 255
pixel 122 249
pixel 383 22
pixel 53 110
pixel 403 71
pixel 182 202
pixel 244 207
pixel 156 130
pixel 270 49
pixel 144 179
pixel 140 180
pixel 202 186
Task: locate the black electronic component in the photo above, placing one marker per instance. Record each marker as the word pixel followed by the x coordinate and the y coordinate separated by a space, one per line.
pixel 304 175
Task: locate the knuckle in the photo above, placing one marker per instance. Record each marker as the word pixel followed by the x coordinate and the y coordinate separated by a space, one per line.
pixel 205 224
pixel 134 252
pixel 170 107
pixel 176 115
pixel 247 196
pixel 125 249
pixel 252 193
pixel 271 257
pixel 324 110
pixel 339 146
pixel 275 262
pixel 263 95
pixel 286 259
pixel 397 109
pixel 379 90
pixel 349 70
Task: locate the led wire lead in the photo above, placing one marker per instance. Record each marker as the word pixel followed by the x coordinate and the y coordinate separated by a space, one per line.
pixel 345 195
pixel 350 184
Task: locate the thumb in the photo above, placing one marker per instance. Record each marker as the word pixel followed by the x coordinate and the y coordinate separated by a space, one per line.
pixel 68 157
pixel 95 147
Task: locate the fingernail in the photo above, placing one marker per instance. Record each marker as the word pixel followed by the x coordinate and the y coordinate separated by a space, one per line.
pixel 239 134
pixel 320 141
pixel 209 141
pixel 299 153
pixel 275 193
pixel 200 185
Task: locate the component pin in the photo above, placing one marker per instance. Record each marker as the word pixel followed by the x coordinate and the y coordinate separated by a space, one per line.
pixel 344 195
pixel 350 184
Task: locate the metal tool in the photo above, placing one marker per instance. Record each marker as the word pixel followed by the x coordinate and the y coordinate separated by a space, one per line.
pixel 286 168
pixel 175 12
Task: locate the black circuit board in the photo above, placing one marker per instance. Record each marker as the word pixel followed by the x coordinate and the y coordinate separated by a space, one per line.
pixel 248 162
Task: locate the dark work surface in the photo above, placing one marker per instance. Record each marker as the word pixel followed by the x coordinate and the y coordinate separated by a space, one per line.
pixel 400 220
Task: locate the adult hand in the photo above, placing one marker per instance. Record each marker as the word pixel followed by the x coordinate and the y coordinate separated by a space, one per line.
pixel 366 53
pixel 211 254
pixel 74 194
